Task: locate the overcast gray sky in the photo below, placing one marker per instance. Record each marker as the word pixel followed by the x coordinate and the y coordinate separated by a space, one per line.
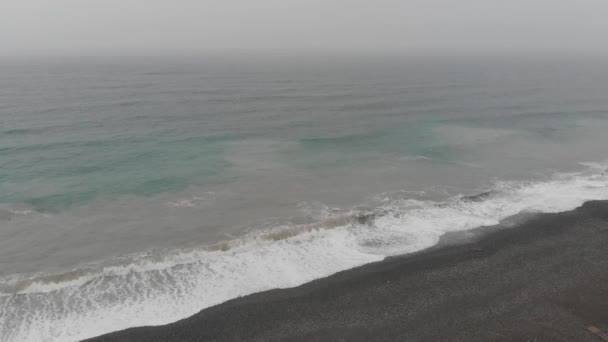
pixel 117 27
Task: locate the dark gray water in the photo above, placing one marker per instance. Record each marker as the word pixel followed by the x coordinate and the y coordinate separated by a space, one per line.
pixel 139 192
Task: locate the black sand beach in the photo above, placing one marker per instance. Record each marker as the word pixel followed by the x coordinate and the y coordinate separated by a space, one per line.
pixel 543 280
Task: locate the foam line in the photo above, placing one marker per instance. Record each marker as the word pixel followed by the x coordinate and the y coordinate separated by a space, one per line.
pixel 152 291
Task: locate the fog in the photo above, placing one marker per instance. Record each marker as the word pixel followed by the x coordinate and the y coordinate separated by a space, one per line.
pixel 155 27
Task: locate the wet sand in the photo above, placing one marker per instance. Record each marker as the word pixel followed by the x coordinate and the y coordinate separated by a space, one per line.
pixel 545 279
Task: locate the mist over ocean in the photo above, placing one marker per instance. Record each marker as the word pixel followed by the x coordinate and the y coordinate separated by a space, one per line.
pixel 138 192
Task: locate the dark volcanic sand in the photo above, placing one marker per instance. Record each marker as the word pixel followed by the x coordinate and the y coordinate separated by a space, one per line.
pixel 543 280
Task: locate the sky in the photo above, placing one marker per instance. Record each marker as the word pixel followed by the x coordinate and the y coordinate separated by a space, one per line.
pixel 148 27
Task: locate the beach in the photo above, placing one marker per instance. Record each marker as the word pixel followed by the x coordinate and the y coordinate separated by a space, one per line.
pixel 543 279
pixel 300 171
pixel 140 192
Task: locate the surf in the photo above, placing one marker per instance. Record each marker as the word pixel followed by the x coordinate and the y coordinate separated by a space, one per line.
pixel 163 286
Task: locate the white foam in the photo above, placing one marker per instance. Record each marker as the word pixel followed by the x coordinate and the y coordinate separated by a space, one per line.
pixel 191 202
pixel 153 291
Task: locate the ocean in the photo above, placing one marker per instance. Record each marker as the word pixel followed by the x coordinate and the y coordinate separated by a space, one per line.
pixel 140 191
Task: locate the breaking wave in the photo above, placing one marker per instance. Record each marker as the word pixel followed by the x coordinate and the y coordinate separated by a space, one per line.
pixel 161 287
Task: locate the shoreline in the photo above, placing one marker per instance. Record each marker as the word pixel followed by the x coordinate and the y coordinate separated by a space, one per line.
pixel 545 277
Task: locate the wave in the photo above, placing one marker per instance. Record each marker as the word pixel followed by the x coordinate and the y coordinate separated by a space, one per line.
pixel 158 288
pixel 7 213
pixel 18 131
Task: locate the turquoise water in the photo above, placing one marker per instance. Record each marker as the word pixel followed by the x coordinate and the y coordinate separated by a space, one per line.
pixel 75 134
pixel 197 175
pixel 56 176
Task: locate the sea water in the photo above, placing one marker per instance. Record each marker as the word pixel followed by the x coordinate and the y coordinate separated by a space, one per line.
pixel 140 191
